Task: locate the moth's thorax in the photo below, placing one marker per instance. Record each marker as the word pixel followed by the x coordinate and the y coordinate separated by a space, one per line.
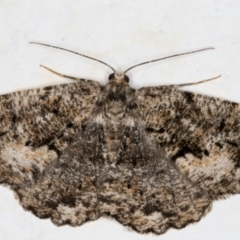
pixel 116 117
pixel 116 96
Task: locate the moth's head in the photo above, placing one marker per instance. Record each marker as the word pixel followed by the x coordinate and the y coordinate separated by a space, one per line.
pixel 118 77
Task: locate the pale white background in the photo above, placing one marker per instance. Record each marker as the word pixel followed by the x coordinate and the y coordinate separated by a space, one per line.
pixel 121 33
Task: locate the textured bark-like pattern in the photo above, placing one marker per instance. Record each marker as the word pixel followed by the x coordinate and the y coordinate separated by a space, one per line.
pixel 153 159
pixel 200 134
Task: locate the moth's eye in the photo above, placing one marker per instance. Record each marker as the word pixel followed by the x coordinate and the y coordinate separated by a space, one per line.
pixel 111 76
pixel 126 78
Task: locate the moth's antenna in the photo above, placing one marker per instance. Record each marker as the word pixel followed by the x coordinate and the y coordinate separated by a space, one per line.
pixel 195 83
pixel 74 53
pixel 175 55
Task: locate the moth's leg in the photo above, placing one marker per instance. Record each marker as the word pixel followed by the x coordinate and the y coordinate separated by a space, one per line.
pixel 60 74
pixel 195 83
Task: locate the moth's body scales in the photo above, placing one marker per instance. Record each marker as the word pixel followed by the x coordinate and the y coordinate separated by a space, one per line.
pixel 152 158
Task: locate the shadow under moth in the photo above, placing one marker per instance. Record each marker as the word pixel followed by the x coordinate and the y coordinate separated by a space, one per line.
pixel 153 158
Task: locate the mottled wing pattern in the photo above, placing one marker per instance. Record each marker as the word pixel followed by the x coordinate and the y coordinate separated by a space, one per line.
pixel 146 192
pixel 37 125
pixel 67 190
pixel 152 159
pixel 200 134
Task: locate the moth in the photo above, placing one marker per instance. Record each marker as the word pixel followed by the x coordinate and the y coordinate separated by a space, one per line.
pixel 153 158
